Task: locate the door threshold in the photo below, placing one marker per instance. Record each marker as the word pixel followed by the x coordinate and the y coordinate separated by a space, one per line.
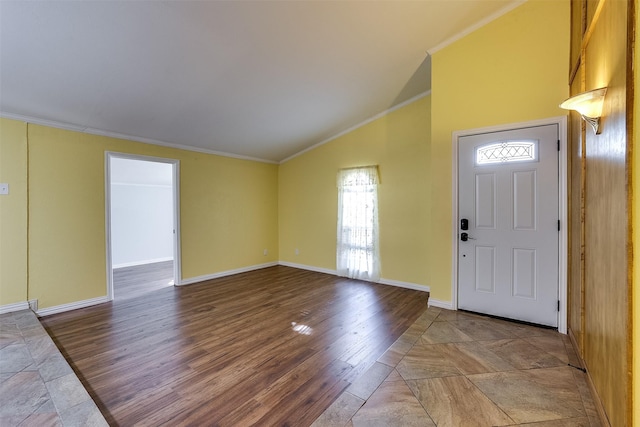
pixel 506 319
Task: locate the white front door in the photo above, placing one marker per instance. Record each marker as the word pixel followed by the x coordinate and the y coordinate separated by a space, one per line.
pixel 508 224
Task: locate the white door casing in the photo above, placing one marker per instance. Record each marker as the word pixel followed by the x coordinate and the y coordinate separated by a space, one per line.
pixel 508 267
pixel 177 259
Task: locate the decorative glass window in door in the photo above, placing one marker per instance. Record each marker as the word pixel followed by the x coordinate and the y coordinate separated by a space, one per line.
pixel 507 151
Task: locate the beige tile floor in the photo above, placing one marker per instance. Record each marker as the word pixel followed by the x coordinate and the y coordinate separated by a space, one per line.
pixel 448 369
pixel 458 369
pixel 37 385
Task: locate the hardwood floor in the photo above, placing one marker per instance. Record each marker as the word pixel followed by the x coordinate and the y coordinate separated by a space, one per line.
pixel 453 368
pixel 270 347
pixel 135 281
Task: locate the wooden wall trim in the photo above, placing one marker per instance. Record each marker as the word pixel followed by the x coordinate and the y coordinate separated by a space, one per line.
pixel 588 30
pixel 602 415
pixel 583 189
pixel 602 332
pixel 630 131
pixel 583 228
pixel 592 25
pixel 574 70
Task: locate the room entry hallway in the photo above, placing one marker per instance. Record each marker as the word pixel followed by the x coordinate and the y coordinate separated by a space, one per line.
pixel 135 281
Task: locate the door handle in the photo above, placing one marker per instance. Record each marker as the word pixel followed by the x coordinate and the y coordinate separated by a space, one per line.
pixel 465 236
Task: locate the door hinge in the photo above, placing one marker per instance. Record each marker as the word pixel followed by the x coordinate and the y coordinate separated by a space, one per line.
pixel 558 145
pixel 558 225
pixel 558 305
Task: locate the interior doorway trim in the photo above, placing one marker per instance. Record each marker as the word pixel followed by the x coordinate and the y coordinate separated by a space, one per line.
pixel 177 259
pixel 561 122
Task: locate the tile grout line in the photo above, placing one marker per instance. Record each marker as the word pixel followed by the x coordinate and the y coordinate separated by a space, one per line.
pixel 514 335
pixel 394 368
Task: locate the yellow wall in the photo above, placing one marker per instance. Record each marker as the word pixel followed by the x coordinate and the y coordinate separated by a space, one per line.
pixel 512 70
pixel 399 144
pixel 228 211
pixel 13 212
pixel 507 71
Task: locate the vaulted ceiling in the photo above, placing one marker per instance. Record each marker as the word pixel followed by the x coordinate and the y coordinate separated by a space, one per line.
pixel 257 79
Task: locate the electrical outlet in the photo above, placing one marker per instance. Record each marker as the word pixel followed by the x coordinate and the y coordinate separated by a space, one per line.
pixel 265 252
pixel 4 188
pixel 297 251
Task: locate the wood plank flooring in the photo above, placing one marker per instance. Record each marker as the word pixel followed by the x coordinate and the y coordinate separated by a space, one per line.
pixel 135 281
pixel 270 347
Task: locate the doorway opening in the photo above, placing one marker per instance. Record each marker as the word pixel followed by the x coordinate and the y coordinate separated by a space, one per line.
pixel 142 225
pixel 510 242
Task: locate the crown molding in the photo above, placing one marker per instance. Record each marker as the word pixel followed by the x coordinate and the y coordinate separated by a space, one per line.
pixel 99 132
pixel 497 14
pixel 359 125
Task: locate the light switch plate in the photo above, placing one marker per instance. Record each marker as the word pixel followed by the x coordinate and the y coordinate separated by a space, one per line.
pixel 4 188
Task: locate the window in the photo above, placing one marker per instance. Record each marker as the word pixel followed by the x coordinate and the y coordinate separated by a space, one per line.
pixel 511 151
pixel 357 249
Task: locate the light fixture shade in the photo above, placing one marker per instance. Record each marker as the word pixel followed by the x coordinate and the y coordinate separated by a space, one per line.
pixel 589 104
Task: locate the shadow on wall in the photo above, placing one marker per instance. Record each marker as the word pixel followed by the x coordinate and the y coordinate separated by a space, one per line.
pixel 418 83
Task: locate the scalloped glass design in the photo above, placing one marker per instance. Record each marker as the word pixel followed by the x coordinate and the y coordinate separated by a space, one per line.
pixel 510 151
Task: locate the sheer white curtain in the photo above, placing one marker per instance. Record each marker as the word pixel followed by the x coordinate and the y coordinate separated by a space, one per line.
pixel 358 254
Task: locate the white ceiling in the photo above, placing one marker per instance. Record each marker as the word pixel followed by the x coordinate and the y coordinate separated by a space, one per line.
pixel 260 79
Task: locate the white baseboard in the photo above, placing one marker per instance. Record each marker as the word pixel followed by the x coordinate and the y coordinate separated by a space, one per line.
pixel 198 279
pixel 309 267
pixel 447 305
pixel 382 281
pixel 407 285
pixel 71 306
pixel 17 306
pixel 87 303
pixel 143 262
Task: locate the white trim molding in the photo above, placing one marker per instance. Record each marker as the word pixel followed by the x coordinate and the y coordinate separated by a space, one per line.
pixel 382 281
pixel 406 285
pixel 175 183
pixel 440 304
pixel 16 306
pixel 309 268
pixel 71 306
pixel 100 300
pixel 503 11
pixel 561 122
pixel 220 274
pixel 359 125
pixel 92 131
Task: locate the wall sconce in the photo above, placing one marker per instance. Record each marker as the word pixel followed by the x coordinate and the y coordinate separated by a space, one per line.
pixel 589 105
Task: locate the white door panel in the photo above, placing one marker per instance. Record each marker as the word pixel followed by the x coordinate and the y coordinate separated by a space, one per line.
pixel 508 192
pixel 485 269
pixel 486 201
pixel 524 200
